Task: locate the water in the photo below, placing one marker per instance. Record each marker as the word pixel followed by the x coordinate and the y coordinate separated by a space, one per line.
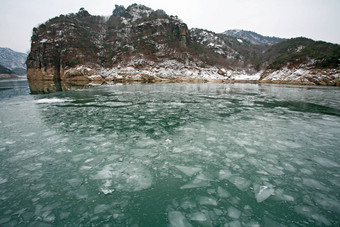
pixel 169 155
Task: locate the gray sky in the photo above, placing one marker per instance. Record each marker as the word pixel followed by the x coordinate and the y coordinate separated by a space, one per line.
pixel 316 19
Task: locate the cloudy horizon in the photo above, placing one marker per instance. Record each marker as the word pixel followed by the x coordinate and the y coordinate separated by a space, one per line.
pixel 315 19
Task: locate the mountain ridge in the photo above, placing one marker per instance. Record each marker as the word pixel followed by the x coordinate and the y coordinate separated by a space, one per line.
pixel 253 37
pixel 138 43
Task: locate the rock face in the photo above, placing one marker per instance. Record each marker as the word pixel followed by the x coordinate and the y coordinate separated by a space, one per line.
pixel 138 43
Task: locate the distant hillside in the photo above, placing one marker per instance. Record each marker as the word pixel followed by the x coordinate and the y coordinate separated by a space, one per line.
pixel 13 60
pixel 4 70
pixel 253 37
pixel 302 51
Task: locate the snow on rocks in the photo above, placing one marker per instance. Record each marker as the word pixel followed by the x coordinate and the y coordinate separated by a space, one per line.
pixel 139 69
pixel 303 76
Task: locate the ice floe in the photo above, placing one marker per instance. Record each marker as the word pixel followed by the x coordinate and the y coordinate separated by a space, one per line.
pixel 263 192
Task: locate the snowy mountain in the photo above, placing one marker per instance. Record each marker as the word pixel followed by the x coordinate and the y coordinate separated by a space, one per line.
pixel 13 60
pixel 253 37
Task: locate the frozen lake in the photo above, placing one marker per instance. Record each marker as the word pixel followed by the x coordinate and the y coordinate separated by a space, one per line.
pixel 170 155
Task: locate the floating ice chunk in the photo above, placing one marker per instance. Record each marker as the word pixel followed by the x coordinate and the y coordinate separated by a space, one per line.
pixel 306 171
pixel 250 150
pixel 218 212
pixel 9 142
pixel 279 193
pixel 234 213
pixel 235 223
pixel 106 189
pixel 201 180
pixel 204 177
pixel 252 223
pixel 204 200
pixel 222 193
pixel 262 172
pixel 177 219
pixel 224 174
pixel 289 167
pixel 314 184
pixel 262 192
pixel 326 162
pixel 189 171
pixel 43 40
pixel 3 180
pixel 85 168
pixel 241 183
pixel 105 173
pixel 188 204
pixel 198 216
pixel 89 160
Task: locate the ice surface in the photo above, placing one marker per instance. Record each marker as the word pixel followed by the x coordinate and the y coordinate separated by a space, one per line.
pixel 240 182
pixel 262 192
pixel 183 148
pixel 177 219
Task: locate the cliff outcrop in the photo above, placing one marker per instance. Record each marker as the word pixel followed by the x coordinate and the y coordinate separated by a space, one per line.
pixel 138 43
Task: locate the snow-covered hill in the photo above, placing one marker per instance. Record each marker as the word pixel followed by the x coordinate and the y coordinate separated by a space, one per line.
pixel 253 37
pixel 13 60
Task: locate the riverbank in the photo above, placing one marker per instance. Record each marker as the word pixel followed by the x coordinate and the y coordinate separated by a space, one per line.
pixel 165 73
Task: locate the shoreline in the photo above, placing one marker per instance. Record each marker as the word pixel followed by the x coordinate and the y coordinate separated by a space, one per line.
pixel 182 73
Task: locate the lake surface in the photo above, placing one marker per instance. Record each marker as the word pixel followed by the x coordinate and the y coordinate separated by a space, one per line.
pixel 169 155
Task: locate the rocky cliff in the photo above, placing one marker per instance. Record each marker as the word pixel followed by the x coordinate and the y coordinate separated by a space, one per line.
pixel 138 43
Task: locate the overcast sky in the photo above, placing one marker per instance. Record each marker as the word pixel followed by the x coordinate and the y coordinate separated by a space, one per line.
pixel 316 19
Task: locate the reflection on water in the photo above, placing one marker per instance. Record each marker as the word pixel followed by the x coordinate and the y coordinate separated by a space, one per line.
pixel 44 87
